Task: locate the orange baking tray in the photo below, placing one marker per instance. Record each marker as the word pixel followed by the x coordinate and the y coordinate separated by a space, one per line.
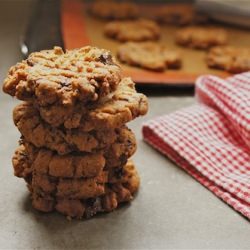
pixel 79 28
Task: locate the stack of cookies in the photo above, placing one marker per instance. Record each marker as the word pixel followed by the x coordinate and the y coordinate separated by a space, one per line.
pixel 75 147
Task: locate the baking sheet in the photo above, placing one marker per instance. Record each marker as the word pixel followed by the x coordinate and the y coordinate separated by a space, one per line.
pixel 79 28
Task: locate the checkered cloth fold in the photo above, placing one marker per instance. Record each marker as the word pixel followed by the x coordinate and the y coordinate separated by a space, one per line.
pixel 211 139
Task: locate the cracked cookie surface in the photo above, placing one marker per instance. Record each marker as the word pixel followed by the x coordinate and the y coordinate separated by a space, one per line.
pixel 201 37
pixel 229 58
pixel 63 141
pixel 137 31
pixel 54 77
pixel 111 112
pixel 149 55
pixel 28 158
pixel 120 191
pixel 70 140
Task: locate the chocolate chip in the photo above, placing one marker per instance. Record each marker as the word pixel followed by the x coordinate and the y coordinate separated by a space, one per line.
pixel 123 159
pixel 118 173
pixel 106 58
pixel 94 206
pixel 65 83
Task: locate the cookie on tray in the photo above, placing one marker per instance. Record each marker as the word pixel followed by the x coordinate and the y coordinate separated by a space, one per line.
pixel 27 159
pixel 149 55
pixel 180 15
pixel 115 193
pixel 201 37
pixel 114 10
pixel 229 58
pixel 138 30
pixel 54 77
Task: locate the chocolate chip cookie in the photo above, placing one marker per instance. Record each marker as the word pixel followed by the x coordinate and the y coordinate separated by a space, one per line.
pixel 201 37
pixel 113 111
pixel 229 58
pixel 149 55
pixel 70 188
pixel 137 31
pixel 115 193
pixel 41 134
pixel 54 77
pixel 28 158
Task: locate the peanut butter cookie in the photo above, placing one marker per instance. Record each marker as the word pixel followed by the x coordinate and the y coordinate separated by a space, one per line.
pixel 115 193
pixel 138 31
pixel 201 37
pixel 54 77
pixel 149 55
pixel 229 58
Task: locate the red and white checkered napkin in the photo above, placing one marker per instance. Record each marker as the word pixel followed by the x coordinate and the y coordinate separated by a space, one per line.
pixel 211 140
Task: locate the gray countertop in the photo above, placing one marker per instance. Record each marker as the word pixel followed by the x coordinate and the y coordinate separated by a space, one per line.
pixel 171 210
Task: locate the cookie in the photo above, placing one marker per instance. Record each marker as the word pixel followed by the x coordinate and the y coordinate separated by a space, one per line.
pixel 229 58
pixel 149 55
pixel 46 162
pixel 124 105
pixel 180 15
pixel 63 141
pixel 201 37
pixel 76 208
pixel 41 134
pixel 70 188
pixel 114 10
pixel 58 114
pixel 137 31
pixel 127 175
pixel 27 159
pixel 54 77
pixel 115 194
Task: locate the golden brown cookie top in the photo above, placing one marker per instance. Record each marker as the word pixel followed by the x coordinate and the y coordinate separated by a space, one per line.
pixel 201 37
pixel 149 55
pixel 229 58
pixel 138 30
pixel 54 76
pixel 114 10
